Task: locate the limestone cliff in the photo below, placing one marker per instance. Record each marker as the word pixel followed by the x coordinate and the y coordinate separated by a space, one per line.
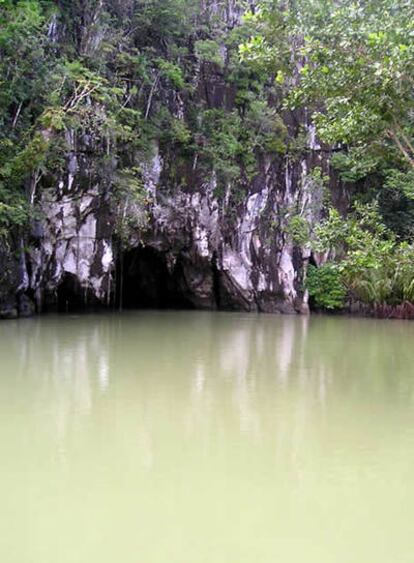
pixel 191 244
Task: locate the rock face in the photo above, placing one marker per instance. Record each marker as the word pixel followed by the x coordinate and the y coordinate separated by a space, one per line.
pixel 245 262
pixel 198 246
pixel 193 251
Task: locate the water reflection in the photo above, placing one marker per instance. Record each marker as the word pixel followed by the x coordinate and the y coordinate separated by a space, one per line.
pixel 206 437
pixel 191 362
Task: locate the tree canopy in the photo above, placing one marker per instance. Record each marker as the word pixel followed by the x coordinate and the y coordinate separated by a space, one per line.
pixel 351 65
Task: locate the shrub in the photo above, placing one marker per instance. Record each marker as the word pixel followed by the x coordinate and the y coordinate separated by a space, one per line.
pixel 325 286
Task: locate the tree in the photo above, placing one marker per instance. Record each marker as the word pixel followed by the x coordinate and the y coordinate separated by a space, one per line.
pixel 351 64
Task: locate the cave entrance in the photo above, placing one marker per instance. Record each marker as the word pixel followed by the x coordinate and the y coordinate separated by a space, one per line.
pixel 70 296
pixel 146 282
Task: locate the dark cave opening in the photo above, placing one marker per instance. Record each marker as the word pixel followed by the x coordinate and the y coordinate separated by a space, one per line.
pixel 311 300
pixel 216 282
pixel 144 281
pixel 70 296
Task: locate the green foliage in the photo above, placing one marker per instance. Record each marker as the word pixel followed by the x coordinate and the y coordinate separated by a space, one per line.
pixel 355 164
pixel 178 132
pixel 298 229
pixel 221 145
pixel 266 129
pixel 208 51
pixel 164 21
pixel 400 181
pixel 172 72
pixel 24 84
pixel 128 195
pixel 374 266
pixel 396 203
pixel 325 286
pixel 13 213
pixel 359 65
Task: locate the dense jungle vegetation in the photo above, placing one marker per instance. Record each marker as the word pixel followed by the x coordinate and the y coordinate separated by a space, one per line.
pixel 115 71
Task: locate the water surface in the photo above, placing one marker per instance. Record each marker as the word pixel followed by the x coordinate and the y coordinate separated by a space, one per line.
pixel 187 437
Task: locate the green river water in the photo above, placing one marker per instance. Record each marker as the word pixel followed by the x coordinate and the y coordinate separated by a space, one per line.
pixel 193 437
